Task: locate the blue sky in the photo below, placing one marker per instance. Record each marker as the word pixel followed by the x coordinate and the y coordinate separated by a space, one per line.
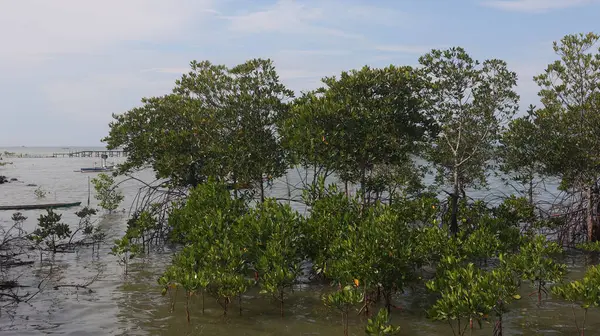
pixel 67 65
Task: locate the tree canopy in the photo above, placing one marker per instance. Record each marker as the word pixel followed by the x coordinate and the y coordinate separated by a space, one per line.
pixel 471 102
pixel 218 122
pixel 359 122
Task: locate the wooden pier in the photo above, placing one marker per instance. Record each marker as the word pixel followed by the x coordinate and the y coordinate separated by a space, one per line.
pixel 92 153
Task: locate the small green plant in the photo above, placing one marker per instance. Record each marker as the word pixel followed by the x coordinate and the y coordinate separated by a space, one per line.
pixel 379 326
pixel 140 228
pixel 469 294
pixel 40 193
pixel 590 246
pixel 278 249
pixel 344 300
pixel 216 240
pixel 183 274
pixel 536 263
pixel 50 230
pixel 18 218
pixel 91 233
pixel 124 250
pixel 106 192
pixel 585 292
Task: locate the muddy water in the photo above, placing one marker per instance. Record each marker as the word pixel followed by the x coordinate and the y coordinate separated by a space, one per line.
pixel 132 305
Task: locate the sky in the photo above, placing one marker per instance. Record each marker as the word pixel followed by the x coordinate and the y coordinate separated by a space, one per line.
pixel 67 65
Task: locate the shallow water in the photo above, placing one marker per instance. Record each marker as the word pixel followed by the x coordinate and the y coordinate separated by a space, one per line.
pixel 133 305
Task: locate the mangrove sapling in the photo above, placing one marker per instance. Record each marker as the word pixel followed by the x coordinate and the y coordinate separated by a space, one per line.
pixel 169 283
pixel 469 294
pixel 50 231
pixel 481 245
pixel 140 228
pixel 514 220
pixel 330 218
pixel 380 326
pixel 378 248
pixel 12 234
pixel 276 274
pixel 493 232
pixel 504 280
pixel 585 292
pixel 95 235
pixel 460 297
pixel 183 274
pixel 106 192
pixel 210 226
pixel 189 223
pixel 593 248
pixel 85 225
pixel 40 193
pixel 13 244
pixel 536 262
pixel 226 267
pixel 124 249
pixel 344 300
pixel 276 235
pixel 435 246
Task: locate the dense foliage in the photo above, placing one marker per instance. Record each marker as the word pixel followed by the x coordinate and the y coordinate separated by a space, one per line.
pixel 359 126
pixel 225 134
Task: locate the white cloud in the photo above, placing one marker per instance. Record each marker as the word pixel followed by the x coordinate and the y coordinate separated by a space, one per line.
pixel 95 98
pixel 284 16
pixel 535 5
pixel 373 14
pixel 288 16
pixel 33 28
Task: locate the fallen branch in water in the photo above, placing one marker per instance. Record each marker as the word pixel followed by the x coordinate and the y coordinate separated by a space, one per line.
pixel 6 285
pixel 80 286
pixel 17 263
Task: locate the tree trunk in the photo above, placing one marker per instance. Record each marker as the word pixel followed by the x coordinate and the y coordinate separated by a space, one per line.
pixel 363 182
pixel 530 191
pixel 262 190
pixel 235 187
pixel 498 330
pixel 187 306
pixel 387 295
pixel 281 303
pixel 590 215
pixel 314 184
pixel 454 204
pixel 345 322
